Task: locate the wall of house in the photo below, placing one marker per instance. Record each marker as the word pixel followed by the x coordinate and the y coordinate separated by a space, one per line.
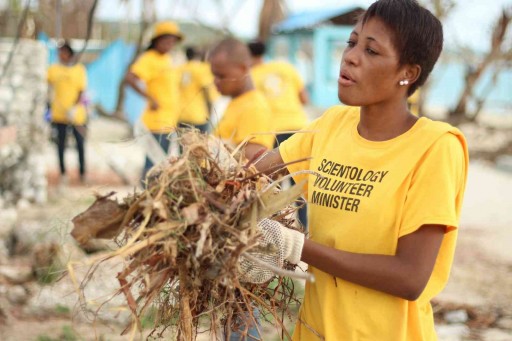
pixel 23 131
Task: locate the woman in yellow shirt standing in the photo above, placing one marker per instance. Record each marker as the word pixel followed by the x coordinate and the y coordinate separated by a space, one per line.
pixel 154 78
pixel 68 80
pixel 385 207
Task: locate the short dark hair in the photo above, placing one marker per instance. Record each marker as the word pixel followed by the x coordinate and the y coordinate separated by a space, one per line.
pixel 235 50
pixel 418 34
pixel 257 48
pixel 191 52
pixel 67 47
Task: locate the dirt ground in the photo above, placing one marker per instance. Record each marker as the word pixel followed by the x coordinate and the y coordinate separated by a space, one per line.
pixel 480 283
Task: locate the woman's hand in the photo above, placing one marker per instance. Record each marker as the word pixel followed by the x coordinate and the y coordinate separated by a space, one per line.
pixel 276 244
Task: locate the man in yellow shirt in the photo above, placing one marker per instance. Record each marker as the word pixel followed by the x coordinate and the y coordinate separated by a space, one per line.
pixel 196 91
pixel 153 77
pixel 68 81
pixel 248 115
pixel 285 91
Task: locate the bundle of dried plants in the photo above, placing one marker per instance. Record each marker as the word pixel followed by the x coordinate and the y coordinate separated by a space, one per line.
pixel 183 238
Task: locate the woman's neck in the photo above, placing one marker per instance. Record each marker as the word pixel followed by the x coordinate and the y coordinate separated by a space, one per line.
pixel 380 123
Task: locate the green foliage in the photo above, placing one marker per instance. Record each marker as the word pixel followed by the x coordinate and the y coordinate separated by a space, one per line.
pixel 67 334
pixel 62 309
pixel 49 275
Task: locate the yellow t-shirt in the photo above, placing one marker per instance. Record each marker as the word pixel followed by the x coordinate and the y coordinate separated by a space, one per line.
pixel 373 193
pixel 247 115
pixel 195 79
pixel 281 85
pixel 67 83
pixel 161 81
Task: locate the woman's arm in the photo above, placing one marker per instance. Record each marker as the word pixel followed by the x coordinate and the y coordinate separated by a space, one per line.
pixel 132 80
pixel 271 163
pixel 404 275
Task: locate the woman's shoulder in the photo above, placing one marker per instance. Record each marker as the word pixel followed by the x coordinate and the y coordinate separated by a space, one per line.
pixel 80 66
pixel 442 129
pixel 443 136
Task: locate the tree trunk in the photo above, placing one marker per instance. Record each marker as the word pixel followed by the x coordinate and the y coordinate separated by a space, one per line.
pixel 272 11
pixel 472 77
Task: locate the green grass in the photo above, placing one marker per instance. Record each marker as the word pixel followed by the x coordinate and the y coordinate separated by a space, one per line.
pixel 62 309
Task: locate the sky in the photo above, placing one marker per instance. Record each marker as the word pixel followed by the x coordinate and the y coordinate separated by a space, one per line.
pixel 469 24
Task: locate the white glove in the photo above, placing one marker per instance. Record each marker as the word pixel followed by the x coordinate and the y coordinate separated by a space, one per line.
pixel 277 244
pixel 288 241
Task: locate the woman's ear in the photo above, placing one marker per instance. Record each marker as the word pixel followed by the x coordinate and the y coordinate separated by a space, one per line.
pixel 245 68
pixel 412 73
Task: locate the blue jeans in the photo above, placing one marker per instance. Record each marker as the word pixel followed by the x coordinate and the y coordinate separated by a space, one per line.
pixel 164 142
pixel 252 332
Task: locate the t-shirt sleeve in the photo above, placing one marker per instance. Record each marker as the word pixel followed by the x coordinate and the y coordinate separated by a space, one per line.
pixel 437 186
pixel 299 146
pixel 142 68
pixel 296 78
pixel 82 85
pixel 50 74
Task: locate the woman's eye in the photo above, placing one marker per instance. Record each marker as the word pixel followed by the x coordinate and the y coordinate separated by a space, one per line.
pixel 372 52
pixel 351 43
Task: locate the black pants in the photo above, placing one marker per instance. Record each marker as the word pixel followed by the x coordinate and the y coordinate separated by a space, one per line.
pixel 79 134
pixel 303 211
pixel 203 128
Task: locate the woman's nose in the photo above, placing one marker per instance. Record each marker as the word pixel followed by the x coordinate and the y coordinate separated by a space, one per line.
pixel 350 56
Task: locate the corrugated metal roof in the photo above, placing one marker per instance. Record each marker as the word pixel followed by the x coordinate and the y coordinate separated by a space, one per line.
pixel 308 19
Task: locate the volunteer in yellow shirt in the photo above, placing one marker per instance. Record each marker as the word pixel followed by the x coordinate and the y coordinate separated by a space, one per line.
pixel 68 81
pixel 248 115
pixel 197 91
pixel 385 206
pixel 153 77
pixel 285 91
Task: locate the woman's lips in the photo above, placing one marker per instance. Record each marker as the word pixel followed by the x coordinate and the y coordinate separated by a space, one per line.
pixel 345 80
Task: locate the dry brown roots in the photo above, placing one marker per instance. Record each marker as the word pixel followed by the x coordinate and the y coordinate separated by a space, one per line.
pixel 183 237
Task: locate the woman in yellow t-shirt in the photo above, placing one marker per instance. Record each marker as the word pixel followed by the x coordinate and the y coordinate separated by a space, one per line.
pixel 153 77
pixel 384 211
pixel 68 81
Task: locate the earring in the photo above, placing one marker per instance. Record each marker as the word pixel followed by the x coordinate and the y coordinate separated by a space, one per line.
pixel 404 82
